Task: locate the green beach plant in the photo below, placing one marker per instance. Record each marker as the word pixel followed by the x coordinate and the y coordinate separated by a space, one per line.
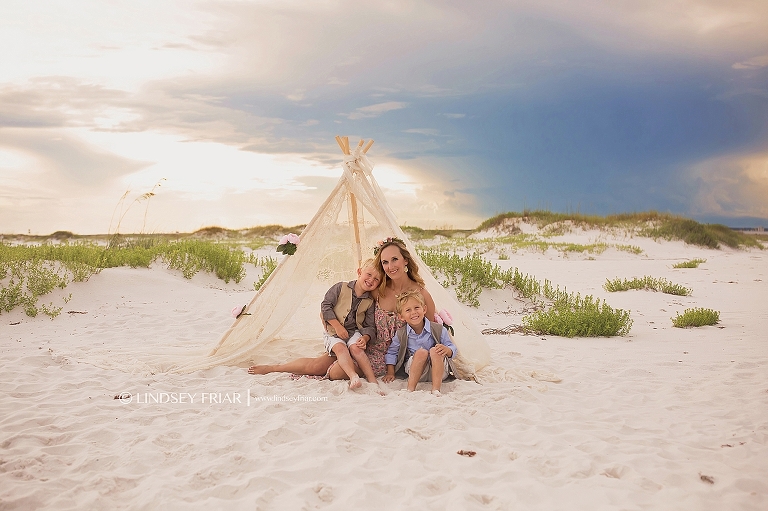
pixel 30 271
pixel 646 282
pixel 569 315
pixel 27 280
pixel 574 316
pixel 693 263
pixel 696 317
pixel 470 273
pixel 267 264
pixel 651 224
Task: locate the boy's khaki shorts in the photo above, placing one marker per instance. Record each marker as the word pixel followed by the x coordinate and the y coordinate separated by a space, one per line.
pixel 426 374
pixel 330 340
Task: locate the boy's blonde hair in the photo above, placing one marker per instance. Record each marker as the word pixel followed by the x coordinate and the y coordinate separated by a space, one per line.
pixel 401 299
pixel 370 263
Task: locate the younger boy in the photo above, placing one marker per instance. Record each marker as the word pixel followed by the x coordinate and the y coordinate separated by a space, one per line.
pixel 347 312
pixel 417 337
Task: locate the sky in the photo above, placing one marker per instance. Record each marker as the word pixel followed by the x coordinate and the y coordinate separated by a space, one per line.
pixel 226 111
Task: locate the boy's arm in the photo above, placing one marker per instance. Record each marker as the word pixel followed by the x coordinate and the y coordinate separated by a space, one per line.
pixel 390 376
pixel 369 324
pixel 390 357
pixel 445 340
pixel 326 310
pixel 329 301
pixel 341 332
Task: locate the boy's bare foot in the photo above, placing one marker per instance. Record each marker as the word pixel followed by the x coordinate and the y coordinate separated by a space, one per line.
pixel 258 370
pixel 382 389
pixel 355 383
pixel 436 393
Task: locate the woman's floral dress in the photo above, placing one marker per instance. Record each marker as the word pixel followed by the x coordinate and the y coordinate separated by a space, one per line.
pixel 387 324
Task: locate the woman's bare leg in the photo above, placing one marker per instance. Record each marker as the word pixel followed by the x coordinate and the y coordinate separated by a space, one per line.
pixel 337 373
pixel 317 366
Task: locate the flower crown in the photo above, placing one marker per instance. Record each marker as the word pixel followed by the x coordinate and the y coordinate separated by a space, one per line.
pixel 383 242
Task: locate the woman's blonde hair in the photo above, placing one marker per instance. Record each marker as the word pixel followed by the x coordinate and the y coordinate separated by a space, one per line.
pixel 413 268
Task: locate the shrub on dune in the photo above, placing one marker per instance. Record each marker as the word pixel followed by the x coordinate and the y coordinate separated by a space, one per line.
pixel 696 317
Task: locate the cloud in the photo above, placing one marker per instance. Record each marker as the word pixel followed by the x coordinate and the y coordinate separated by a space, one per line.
pixel 753 63
pixel 376 110
pixel 454 116
pixel 296 96
pixel 425 131
pixel 56 101
pixel 65 161
pixel 731 186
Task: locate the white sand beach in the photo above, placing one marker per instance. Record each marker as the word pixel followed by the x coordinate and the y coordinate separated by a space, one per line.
pixel 664 418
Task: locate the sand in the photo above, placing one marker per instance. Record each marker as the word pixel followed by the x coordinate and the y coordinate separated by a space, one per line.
pixel 664 418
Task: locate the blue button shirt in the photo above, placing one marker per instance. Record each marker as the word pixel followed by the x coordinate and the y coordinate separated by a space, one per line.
pixel 417 341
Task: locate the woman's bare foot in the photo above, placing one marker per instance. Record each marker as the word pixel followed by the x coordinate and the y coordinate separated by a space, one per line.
pixel 355 383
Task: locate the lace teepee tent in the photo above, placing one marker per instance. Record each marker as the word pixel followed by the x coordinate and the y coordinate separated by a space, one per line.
pixel 283 320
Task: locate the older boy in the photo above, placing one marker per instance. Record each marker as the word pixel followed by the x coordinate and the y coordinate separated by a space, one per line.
pixel 419 346
pixel 348 317
pixel 347 311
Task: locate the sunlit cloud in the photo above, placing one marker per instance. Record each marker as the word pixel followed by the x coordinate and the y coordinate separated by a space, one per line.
pixel 103 44
pixel 753 63
pixel 732 186
pixel 423 131
pixel 376 110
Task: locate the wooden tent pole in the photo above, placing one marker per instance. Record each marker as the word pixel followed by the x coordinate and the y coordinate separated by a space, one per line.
pixel 344 144
pixel 353 201
pixel 341 144
pixel 367 146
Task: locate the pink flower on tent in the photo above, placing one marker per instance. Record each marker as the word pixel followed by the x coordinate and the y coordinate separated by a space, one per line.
pixel 288 244
pixel 290 238
pixel 239 310
pixel 444 318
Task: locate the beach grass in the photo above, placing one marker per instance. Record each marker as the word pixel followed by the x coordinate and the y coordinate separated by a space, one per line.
pixel 693 263
pixel 646 282
pixel 696 317
pixel 574 316
pixel 28 272
pixel 67 257
pixel 652 224
pixel 470 273
pixel 569 314
pixel 530 242
pixel 267 265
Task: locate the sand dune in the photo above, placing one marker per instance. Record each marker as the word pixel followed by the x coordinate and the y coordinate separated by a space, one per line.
pixel 664 418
